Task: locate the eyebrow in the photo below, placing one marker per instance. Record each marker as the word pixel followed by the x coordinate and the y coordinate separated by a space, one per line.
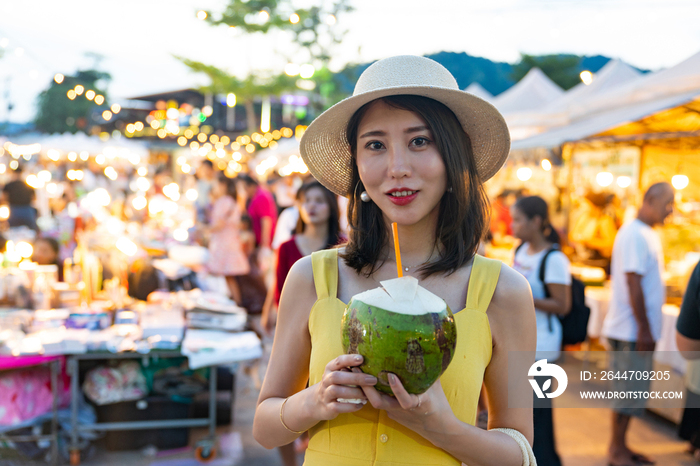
pixel 414 129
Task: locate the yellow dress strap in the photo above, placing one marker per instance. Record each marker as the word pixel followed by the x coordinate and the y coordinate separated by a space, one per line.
pixel 325 267
pixel 482 282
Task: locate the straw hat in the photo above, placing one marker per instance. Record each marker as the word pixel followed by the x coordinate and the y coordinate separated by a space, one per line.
pixel 324 146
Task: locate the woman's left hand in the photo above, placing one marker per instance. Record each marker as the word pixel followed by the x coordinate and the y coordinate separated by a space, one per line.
pixel 425 413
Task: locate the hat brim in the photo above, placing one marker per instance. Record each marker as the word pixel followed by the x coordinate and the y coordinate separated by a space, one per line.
pixel 325 150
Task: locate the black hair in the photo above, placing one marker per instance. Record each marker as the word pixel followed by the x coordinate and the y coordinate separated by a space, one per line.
pixel 247 179
pixel 208 163
pixel 334 212
pixel 230 185
pixel 463 212
pixel 535 206
pixel 50 241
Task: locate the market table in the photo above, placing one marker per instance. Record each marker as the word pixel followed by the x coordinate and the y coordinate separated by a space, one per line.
pixel 54 363
pixel 205 448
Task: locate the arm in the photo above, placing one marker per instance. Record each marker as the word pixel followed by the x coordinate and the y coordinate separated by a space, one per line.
pixel 512 319
pixel 688 324
pixel 689 348
pixel 288 370
pixel 265 232
pixel 645 341
pixel 559 302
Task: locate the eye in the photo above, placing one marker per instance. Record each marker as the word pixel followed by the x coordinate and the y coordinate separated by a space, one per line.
pixel 374 145
pixel 420 141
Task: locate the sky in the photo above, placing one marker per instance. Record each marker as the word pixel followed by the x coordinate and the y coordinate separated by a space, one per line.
pixel 139 39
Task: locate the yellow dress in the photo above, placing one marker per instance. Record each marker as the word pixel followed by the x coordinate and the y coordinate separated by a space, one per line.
pixel 369 437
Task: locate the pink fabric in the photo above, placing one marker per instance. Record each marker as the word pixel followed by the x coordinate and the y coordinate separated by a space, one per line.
pixel 226 255
pixel 12 362
pixel 26 393
pixel 262 205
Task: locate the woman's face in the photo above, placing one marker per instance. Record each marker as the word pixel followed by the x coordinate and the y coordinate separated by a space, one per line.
pixel 218 189
pixel 43 253
pixel 524 228
pixel 313 208
pixel 399 164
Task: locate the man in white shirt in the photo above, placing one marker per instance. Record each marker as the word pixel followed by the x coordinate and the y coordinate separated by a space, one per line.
pixel 633 321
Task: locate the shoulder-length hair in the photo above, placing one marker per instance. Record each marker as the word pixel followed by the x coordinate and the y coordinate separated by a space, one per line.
pixel 334 212
pixel 463 212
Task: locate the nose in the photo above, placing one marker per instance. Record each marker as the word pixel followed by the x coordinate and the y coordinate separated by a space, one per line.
pixel 399 163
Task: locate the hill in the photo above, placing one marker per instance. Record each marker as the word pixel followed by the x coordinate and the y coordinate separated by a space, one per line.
pixel 494 76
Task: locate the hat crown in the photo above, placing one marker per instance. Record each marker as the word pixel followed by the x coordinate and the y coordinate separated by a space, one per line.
pixel 404 71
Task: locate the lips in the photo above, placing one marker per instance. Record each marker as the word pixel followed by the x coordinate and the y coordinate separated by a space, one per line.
pixel 402 196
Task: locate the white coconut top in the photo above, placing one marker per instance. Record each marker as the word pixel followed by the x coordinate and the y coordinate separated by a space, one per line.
pixel 403 296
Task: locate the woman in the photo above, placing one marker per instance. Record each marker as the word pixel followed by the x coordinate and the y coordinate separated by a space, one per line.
pixel 552 298
pixel 318 228
pixel 226 255
pixel 46 252
pixel 408 147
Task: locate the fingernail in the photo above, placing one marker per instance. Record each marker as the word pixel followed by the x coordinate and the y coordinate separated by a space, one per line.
pixel 358 358
pixel 392 379
pixel 371 380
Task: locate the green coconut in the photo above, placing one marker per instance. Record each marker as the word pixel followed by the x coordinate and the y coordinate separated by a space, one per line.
pixel 400 328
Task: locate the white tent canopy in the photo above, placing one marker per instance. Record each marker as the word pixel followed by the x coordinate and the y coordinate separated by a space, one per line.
pixel 478 90
pixel 532 92
pixel 79 142
pixel 558 112
pixel 629 102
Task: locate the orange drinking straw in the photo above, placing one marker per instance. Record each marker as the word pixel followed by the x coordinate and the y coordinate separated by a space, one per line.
pixel 395 229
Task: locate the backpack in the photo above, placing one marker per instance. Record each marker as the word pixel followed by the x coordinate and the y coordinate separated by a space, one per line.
pixel 575 323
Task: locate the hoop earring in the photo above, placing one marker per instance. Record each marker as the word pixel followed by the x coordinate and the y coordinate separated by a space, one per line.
pixel 365 197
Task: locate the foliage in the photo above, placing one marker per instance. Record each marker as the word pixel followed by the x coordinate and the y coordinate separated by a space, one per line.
pixel 562 69
pixel 312 31
pixel 58 114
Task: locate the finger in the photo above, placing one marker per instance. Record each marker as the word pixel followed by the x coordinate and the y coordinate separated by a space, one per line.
pixel 343 377
pixel 346 360
pixel 341 391
pixel 379 400
pixel 405 399
pixel 340 408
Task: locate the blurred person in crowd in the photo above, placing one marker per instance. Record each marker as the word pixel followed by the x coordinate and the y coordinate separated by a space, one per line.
pixel 594 230
pixel 226 256
pixel 633 321
pixel 552 298
pixel 285 191
pixel 46 252
pixel 205 180
pixel 317 228
pixel 18 195
pixel 500 214
pixel 688 341
pixel 262 210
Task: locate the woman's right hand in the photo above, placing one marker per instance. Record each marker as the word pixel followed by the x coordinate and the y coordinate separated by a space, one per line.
pixel 339 382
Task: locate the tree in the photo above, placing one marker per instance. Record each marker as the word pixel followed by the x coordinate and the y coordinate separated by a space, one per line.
pixel 562 69
pixel 246 90
pixel 58 113
pixel 312 30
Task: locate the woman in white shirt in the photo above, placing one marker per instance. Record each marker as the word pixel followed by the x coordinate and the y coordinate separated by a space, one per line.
pixel 530 224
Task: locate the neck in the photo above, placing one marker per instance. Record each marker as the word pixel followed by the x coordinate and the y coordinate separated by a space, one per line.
pixel 417 243
pixel 538 243
pixel 644 216
pixel 314 231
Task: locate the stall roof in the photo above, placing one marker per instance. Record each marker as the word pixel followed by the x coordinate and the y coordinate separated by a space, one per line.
pixel 602 122
pixel 631 102
pixel 478 90
pixel 532 92
pixel 615 73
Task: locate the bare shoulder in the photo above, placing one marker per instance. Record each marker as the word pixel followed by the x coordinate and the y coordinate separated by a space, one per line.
pixel 299 293
pixel 512 310
pixel 511 288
